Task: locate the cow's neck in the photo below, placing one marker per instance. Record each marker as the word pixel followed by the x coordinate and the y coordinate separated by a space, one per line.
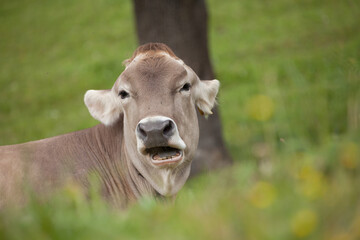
pixel 122 182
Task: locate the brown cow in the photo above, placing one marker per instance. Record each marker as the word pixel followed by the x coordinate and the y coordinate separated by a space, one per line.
pixel 143 146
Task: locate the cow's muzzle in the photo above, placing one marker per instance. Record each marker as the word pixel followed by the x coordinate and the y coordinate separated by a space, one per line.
pixel 159 138
pixel 155 133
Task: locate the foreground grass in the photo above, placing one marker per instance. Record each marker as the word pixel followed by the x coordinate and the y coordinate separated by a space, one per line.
pixel 313 195
pixel 289 101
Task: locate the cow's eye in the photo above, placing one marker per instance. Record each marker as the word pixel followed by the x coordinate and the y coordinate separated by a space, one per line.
pixel 186 87
pixel 123 94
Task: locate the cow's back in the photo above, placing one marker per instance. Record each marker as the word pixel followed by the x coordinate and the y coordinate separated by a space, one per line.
pixel 36 166
pixel 11 174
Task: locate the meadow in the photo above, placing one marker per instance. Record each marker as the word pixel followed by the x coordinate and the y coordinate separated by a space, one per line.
pixel 289 102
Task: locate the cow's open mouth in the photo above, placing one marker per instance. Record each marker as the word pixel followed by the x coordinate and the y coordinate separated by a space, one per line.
pixel 164 155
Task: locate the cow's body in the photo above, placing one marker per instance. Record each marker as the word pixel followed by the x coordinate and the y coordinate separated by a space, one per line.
pixel 51 162
pixel 143 147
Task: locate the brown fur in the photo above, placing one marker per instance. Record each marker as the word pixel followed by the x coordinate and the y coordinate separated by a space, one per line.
pixel 151 49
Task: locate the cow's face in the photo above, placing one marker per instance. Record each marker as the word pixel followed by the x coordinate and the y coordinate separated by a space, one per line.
pixel 157 94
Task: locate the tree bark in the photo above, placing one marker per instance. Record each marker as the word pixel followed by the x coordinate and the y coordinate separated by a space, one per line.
pixel 182 25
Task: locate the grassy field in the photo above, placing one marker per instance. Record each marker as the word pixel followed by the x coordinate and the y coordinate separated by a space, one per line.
pixel 290 104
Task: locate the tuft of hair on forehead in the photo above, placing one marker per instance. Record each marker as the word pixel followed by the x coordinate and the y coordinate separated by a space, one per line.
pixel 151 49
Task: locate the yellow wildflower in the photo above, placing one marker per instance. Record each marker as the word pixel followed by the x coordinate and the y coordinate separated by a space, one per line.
pixel 260 107
pixel 73 191
pixel 304 223
pixel 262 195
pixel 313 184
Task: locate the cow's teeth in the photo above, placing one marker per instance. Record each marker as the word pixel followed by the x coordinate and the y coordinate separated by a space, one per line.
pixel 156 157
pixel 163 153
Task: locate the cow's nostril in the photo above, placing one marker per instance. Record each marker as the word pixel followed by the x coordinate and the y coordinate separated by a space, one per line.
pixel 168 129
pixel 141 131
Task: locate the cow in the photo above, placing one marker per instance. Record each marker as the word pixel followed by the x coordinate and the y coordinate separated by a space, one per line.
pixel 143 146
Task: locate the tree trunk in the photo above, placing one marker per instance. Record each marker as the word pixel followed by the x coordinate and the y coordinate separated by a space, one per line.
pixel 182 25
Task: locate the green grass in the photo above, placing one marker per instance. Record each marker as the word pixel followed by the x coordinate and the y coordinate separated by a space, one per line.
pixel 290 104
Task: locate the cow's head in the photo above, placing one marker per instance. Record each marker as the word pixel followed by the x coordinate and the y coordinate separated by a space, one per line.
pixel 157 95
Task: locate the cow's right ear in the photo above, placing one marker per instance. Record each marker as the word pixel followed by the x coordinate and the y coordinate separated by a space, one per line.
pixel 103 106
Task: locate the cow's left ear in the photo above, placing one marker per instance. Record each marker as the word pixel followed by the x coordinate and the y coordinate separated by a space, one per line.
pixel 206 95
pixel 103 106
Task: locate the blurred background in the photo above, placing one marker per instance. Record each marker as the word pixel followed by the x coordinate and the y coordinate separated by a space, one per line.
pixel 289 105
